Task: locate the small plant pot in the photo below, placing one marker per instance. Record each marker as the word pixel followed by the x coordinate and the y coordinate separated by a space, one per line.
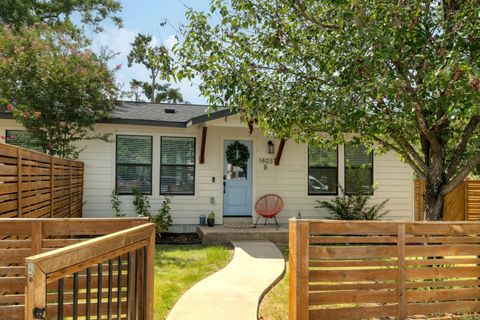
pixel 210 222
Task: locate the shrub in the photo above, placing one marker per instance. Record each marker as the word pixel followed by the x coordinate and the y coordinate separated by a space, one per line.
pixel 116 203
pixel 141 203
pixel 163 219
pixel 354 206
pixel 211 215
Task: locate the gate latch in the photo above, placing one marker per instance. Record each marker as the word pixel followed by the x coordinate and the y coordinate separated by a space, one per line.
pixel 39 313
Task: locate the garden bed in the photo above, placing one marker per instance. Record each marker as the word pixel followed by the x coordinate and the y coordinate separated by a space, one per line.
pixel 178 238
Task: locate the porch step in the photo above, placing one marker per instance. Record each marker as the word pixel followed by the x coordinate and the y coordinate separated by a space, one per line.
pixel 237 220
pixel 222 235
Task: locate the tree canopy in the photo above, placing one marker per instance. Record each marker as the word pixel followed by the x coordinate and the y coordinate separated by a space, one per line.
pixel 399 75
pixel 54 86
pixel 157 60
pixel 19 13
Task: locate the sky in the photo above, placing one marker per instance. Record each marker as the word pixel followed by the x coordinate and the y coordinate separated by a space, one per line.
pixel 144 16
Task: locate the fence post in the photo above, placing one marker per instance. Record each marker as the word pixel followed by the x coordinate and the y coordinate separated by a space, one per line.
pixel 150 268
pixel 52 166
pixel 69 188
pixel 466 187
pixel 402 307
pixel 298 266
pixel 36 294
pixel 37 236
pixel 19 182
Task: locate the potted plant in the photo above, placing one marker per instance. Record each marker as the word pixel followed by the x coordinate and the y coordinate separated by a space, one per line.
pixel 211 219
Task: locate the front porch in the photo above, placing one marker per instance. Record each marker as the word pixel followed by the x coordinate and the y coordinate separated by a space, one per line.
pixel 221 234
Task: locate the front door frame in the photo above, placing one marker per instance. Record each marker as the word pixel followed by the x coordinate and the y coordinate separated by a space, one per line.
pixel 253 169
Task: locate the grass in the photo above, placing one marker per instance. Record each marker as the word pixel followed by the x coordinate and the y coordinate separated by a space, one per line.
pixel 274 305
pixel 177 268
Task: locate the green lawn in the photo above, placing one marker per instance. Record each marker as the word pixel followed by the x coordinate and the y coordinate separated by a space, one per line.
pixel 274 305
pixel 177 268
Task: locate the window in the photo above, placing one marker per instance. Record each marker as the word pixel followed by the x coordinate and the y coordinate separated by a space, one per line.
pixel 134 164
pixel 22 139
pixel 177 168
pixel 322 171
pixel 358 169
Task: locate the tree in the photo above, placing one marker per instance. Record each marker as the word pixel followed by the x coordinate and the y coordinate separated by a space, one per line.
pixel 55 87
pixel 54 12
pixel 158 62
pixel 399 75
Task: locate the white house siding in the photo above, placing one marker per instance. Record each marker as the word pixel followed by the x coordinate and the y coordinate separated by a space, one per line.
pixel 289 179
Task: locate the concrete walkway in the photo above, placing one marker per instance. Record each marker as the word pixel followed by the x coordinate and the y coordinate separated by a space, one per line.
pixel 235 291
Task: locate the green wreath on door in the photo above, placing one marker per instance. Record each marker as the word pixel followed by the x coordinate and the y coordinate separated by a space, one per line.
pixel 238 154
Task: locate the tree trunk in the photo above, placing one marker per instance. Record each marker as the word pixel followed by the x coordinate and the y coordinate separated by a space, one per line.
pixel 433 206
pixel 434 185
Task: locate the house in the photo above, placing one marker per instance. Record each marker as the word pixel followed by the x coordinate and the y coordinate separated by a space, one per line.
pixel 181 150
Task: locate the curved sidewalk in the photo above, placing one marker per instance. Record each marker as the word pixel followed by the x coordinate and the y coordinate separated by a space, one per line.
pixel 235 291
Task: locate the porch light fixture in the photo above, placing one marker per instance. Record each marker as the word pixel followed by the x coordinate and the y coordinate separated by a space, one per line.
pixel 271 147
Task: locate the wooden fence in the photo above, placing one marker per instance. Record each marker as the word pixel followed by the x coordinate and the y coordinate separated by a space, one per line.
pixel 362 270
pixel 34 185
pixel 462 204
pixel 64 251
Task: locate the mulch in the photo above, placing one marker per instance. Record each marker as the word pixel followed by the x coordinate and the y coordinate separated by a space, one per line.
pixel 178 238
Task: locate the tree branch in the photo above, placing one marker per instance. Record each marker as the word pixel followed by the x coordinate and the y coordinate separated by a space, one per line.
pixel 404 154
pixel 299 7
pixel 453 183
pixel 462 145
pixel 422 123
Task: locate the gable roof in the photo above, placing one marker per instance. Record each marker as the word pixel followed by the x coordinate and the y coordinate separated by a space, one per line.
pixel 160 114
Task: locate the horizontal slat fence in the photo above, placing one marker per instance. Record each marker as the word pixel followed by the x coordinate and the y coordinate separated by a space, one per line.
pixel 21 238
pixel 34 185
pixel 462 204
pixel 363 270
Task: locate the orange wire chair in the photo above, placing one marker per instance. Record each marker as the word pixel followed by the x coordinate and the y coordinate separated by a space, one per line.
pixel 269 206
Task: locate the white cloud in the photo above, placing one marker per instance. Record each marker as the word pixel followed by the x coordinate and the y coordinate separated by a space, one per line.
pixel 170 42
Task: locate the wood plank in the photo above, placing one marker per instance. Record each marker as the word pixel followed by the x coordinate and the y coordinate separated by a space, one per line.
pixel 351 275
pixel 353 286
pixel 401 276
pixel 298 266
pixel 345 297
pixel 437 273
pixel 352 263
pixel 443 307
pixel 338 228
pixel 353 239
pixel 353 313
pixel 80 252
pixel 202 148
pixel 352 252
pixel 442 250
pixel 278 157
pixel 12 312
pixel 458 294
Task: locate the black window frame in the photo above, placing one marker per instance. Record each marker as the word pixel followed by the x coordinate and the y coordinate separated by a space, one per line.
pixel 321 167
pixel 179 165
pixel 133 165
pixel 357 167
pixel 17 145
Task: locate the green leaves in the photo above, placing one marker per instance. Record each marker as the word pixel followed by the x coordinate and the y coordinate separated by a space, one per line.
pixel 20 13
pixel 402 76
pixel 159 63
pixel 59 88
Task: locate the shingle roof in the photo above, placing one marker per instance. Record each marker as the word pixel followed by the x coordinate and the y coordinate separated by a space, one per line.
pixel 163 114
pixel 159 114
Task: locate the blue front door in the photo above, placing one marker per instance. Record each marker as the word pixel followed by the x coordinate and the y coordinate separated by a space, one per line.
pixel 237 180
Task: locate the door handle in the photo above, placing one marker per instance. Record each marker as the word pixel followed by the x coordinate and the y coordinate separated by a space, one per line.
pixel 224 185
